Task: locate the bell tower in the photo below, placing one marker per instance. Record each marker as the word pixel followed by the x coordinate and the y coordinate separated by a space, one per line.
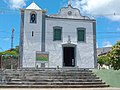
pixel 32 35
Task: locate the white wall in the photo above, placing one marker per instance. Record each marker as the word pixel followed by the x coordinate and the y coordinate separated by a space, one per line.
pixel 84 50
pixel 31 44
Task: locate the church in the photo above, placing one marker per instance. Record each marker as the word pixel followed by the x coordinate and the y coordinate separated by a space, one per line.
pixel 63 40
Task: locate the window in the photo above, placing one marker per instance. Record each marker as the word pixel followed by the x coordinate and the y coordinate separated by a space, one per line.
pixel 32 33
pixel 33 17
pixel 81 34
pixel 57 33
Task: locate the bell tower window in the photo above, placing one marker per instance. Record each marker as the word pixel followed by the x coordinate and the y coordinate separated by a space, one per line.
pixel 33 17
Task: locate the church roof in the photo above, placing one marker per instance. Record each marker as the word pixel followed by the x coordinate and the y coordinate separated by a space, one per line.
pixel 33 5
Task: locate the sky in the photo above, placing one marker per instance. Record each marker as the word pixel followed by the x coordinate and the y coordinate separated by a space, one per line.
pixel 106 13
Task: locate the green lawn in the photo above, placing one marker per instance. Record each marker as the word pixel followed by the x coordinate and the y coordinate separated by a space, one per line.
pixel 111 77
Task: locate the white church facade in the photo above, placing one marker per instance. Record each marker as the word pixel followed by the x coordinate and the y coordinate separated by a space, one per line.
pixel 66 39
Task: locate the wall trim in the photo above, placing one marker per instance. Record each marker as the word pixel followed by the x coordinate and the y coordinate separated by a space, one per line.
pixel 43 33
pixel 94 44
pixel 20 61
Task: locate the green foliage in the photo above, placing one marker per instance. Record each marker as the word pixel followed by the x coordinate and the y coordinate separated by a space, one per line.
pixel 111 58
pixel 104 60
pixel 10 53
pixel 115 56
pixel 13 52
pixel 100 60
pixel 10 58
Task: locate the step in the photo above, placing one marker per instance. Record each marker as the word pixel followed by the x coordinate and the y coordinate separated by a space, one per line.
pixel 58 74
pixel 48 73
pixel 54 78
pixel 54 86
pixel 16 75
pixel 51 78
pixel 45 69
pixel 54 83
pixel 62 80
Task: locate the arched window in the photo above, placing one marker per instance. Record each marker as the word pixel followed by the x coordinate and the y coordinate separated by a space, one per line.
pixel 33 17
pixel 57 33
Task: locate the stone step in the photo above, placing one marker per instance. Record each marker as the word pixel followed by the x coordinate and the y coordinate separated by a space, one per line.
pixel 56 73
pixel 16 75
pixel 54 69
pixel 47 71
pixel 53 74
pixel 54 83
pixel 54 86
pixel 50 78
pixel 54 77
pixel 61 80
pixel 27 75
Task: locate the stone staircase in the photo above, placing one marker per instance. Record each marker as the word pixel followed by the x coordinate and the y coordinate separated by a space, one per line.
pixel 50 78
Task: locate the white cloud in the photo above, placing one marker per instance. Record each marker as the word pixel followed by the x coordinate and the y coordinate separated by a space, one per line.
pixel 6 39
pixel 105 8
pixel 118 29
pixel 97 45
pixel 107 44
pixel 15 4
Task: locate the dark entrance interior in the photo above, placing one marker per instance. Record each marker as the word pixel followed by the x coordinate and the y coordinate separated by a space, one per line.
pixel 69 56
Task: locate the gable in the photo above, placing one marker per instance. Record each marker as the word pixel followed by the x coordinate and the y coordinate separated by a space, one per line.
pixel 69 12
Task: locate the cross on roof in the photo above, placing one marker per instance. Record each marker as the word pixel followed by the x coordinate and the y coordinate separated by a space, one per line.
pixel 69 2
pixel 69 39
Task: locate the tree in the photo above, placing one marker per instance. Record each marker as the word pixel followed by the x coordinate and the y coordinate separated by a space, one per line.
pixel 104 60
pixel 100 60
pixel 114 55
pixel 14 52
pixel 10 58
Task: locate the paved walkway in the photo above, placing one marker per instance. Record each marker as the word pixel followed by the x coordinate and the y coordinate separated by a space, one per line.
pixel 60 89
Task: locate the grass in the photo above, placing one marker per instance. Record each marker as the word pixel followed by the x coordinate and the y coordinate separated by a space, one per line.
pixel 111 77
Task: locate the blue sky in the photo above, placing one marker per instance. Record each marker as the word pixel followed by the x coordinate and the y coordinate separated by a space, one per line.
pixel 108 19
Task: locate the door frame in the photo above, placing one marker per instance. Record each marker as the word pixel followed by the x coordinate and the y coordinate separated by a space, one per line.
pixel 75 54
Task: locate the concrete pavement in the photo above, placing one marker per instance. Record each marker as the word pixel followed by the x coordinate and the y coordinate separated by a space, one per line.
pixel 59 88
